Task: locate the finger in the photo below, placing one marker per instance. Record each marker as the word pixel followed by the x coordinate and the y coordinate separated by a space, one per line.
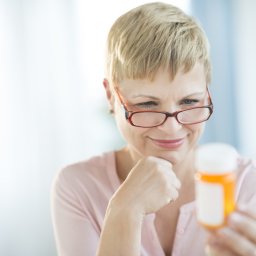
pixel 173 179
pixel 174 194
pixel 210 251
pixel 244 225
pixel 236 242
pixel 177 183
pixel 162 161
pixel 247 210
pixel 217 250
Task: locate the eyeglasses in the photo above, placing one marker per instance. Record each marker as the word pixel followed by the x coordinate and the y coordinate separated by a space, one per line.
pixel 149 119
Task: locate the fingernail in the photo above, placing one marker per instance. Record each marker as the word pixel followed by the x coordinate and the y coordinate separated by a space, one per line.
pixel 224 232
pixel 235 218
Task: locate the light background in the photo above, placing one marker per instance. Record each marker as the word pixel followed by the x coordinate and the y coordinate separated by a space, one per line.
pixel 52 105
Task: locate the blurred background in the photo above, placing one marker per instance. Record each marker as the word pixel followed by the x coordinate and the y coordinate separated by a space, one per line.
pixel 53 110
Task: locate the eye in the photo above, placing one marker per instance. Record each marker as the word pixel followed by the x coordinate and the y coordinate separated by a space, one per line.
pixel 147 104
pixel 189 102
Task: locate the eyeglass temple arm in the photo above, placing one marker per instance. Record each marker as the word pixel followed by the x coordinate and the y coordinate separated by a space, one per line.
pixel 126 112
pixel 209 96
pixel 118 95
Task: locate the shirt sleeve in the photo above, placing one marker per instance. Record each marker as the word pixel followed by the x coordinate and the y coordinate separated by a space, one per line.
pixel 75 234
pixel 246 185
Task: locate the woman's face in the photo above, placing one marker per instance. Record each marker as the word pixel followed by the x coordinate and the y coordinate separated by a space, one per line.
pixel 171 141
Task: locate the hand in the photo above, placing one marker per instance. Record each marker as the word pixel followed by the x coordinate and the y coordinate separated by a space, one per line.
pixel 150 185
pixel 237 238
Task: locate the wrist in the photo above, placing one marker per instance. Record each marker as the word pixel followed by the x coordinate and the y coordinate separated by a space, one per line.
pixel 121 231
pixel 121 209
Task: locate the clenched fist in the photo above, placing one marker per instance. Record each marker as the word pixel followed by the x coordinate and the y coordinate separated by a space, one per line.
pixel 150 185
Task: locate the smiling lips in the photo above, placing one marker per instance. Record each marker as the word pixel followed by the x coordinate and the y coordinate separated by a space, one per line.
pixel 168 144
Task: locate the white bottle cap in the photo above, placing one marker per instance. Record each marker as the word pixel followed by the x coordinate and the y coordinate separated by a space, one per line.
pixel 216 158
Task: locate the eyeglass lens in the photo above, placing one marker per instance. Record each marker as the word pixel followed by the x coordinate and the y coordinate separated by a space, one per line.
pixel 149 119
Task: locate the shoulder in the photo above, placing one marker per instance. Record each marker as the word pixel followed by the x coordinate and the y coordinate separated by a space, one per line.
pixel 83 175
pixel 83 189
pixel 95 165
pixel 246 181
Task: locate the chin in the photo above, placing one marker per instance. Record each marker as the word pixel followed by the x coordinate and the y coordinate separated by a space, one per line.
pixel 173 157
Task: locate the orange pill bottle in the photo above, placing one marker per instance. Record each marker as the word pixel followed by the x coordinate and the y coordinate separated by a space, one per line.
pixel 215 183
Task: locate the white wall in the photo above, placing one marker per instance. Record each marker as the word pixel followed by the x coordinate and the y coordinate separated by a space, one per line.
pixel 52 107
pixel 245 61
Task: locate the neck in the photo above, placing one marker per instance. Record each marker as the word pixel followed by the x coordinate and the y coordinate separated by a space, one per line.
pixel 185 170
pixel 124 163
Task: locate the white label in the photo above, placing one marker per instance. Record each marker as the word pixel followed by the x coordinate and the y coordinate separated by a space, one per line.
pixel 209 203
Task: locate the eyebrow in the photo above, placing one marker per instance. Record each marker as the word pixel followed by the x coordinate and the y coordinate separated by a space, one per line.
pixel 145 96
pixel 157 98
pixel 195 94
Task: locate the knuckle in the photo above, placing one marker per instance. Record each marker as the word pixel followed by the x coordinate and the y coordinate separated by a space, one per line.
pixel 151 159
pixel 171 190
pixel 174 194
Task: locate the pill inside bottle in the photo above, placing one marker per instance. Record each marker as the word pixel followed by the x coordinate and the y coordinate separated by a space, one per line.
pixel 216 165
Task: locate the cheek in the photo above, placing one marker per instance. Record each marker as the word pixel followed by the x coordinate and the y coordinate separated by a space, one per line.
pixel 130 133
pixel 126 130
pixel 121 123
pixel 119 116
pixel 197 130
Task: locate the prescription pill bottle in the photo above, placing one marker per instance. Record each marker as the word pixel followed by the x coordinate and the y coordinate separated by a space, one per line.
pixel 215 183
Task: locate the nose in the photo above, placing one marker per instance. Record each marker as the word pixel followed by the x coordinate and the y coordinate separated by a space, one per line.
pixel 170 125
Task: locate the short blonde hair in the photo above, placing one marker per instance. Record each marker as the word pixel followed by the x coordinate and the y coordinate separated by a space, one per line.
pixel 153 36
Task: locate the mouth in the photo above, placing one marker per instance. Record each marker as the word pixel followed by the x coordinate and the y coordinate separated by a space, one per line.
pixel 168 144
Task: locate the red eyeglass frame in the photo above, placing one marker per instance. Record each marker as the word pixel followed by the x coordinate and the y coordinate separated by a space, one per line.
pixel 129 114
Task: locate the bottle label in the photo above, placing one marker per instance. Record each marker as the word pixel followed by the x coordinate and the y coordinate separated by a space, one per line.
pixel 209 203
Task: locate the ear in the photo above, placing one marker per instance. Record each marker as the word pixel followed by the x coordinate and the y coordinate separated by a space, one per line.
pixel 109 94
pixel 107 89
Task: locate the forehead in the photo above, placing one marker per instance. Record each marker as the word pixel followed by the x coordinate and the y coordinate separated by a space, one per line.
pixel 193 81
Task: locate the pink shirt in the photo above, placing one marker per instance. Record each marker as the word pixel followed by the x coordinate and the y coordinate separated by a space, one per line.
pixel 80 196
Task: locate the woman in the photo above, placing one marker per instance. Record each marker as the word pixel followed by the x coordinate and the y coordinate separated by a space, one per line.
pixel 139 200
